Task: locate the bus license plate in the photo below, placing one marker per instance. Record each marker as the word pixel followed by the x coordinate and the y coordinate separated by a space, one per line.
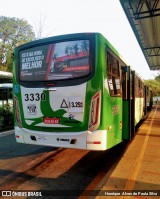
pixel 51 120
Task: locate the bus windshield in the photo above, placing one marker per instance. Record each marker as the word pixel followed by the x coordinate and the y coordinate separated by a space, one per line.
pixel 55 61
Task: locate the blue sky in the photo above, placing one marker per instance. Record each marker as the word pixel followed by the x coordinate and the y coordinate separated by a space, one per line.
pixel 62 17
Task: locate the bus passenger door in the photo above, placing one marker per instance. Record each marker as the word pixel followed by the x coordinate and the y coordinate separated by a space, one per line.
pixel 128 94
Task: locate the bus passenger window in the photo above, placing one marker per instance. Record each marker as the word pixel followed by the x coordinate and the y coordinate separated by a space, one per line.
pixel 113 74
pixel 110 83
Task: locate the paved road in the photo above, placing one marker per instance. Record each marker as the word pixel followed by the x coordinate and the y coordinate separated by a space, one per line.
pixel 16 158
pixel 29 167
pixel 9 148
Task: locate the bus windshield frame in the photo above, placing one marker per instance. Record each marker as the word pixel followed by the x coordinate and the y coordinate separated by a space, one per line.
pixel 56 62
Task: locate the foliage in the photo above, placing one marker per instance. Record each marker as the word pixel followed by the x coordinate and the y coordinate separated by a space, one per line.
pixel 157 78
pixel 13 32
pixel 6 116
pixel 154 85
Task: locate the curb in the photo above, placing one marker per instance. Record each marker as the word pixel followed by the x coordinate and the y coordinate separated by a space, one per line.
pixel 5 133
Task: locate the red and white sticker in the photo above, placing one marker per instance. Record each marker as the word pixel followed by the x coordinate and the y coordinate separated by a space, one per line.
pixel 95 111
pixel 51 120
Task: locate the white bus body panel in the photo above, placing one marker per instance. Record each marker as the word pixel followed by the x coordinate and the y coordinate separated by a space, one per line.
pixel 95 140
pixel 139 109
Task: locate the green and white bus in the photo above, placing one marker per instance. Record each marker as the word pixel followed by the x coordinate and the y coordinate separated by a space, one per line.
pixel 75 91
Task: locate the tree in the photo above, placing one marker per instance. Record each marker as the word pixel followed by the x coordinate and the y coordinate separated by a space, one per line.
pixel 154 85
pixel 39 26
pixel 76 49
pixel 67 50
pixel 13 32
pixel 157 78
pixel 85 46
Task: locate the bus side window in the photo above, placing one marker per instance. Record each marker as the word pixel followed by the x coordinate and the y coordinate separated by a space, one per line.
pixel 136 86
pixel 124 82
pixel 113 74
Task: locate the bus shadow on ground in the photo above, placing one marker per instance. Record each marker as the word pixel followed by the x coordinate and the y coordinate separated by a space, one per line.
pixel 9 148
pixel 71 183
